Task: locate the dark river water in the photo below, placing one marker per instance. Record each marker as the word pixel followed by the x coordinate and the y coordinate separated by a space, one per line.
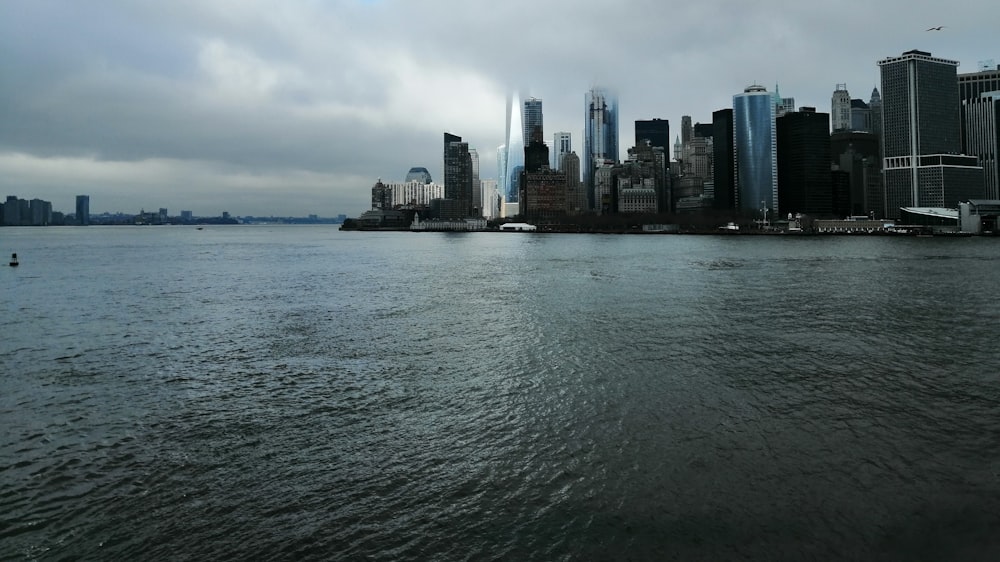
pixel 288 393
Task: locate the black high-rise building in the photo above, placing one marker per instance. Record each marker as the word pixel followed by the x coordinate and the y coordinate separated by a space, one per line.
pixel 723 159
pixel 457 179
pixel 704 130
pixel 804 179
pixel 656 131
pixel 856 153
pixel 536 156
pixel 83 210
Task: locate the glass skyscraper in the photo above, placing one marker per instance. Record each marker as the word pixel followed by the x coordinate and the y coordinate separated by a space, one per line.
pixel 601 135
pixel 656 131
pixel 83 209
pixel 755 143
pixel 532 118
pixel 510 157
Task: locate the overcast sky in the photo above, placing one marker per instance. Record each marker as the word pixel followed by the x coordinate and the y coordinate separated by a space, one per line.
pixel 296 107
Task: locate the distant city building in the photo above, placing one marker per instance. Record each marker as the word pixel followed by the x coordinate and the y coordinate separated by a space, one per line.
pixel 477 193
pixel 83 210
pixel 973 85
pixel 756 165
pixel 699 160
pixel 600 137
pixel 687 130
pixel 502 170
pixel 510 156
pixel 536 155
pixel 840 108
pixel 804 180
pixel 490 197
pixel 723 160
pixel 404 195
pixel 41 212
pixel 11 211
pixel 981 137
pixel 605 180
pixel 533 129
pixel 562 144
pixel 636 196
pixel 856 153
pixel 419 174
pixel 782 105
pixel 457 202
pixel 861 116
pixel 654 131
pixel 576 196
pixel 544 195
pixel 875 111
pixel 981 122
pixel 921 135
pixel 187 216
pixel 703 130
pixel 644 181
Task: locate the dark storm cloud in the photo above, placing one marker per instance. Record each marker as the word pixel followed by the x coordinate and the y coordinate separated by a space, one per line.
pixel 286 106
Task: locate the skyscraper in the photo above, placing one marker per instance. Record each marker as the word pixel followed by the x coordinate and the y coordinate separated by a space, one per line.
pixel 536 156
pixel 980 95
pixel 840 108
pixel 981 137
pixel 875 107
pixel 477 192
pixel 512 152
pixel 861 116
pixel 457 179
pixel 600 137
pixel 723 161
pixel 83 209
pixel 490 197
pixel 755 141
pixel 804 181
pixel 921 135
pixel 562 145
pixel 532 121
pixel 655 131
pixel 856 153
pixel 972 85
pixel 12 212
pixel 576 199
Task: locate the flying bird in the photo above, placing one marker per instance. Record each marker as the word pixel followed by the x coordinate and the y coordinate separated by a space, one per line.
pixel 938 28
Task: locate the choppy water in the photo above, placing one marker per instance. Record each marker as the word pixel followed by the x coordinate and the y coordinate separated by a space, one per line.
pixel 304 393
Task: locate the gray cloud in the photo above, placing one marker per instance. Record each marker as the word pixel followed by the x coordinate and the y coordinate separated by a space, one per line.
pixel 295 107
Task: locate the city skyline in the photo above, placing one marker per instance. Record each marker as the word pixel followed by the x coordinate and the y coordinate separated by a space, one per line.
pixel 288 111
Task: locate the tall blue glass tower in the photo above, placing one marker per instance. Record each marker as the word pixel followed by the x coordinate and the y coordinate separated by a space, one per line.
pixel 601 135
pixel 755 141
